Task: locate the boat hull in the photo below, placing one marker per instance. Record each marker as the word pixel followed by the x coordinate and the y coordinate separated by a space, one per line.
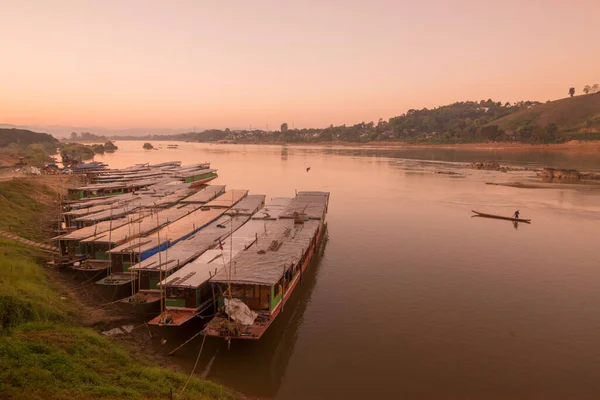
pixel 484 215
pixel 91 274
pixel 141 305
pixel 116 286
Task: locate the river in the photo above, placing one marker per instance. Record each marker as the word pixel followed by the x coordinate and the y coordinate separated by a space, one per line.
pixel 412 298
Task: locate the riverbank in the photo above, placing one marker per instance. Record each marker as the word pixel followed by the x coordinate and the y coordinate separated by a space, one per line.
pixel 50 341
pixel 573 145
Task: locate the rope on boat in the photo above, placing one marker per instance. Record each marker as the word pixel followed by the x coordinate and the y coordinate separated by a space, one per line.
pixel 195 365
pixel 186 342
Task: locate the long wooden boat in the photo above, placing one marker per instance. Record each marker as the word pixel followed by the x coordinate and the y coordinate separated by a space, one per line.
pixel 188 291
pixel 70 246
pixel 480 214
pixel 253 290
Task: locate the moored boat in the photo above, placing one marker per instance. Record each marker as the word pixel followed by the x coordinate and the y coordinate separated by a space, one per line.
pixel 188 291
pixel 253 289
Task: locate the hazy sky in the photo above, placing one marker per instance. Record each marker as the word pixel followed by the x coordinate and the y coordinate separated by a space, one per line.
pixel 121 64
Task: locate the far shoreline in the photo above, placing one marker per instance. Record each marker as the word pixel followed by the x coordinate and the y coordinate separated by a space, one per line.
pixel 586 146
pixel 573 145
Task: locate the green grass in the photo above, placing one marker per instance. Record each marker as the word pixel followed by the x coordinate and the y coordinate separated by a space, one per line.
pixel 45 353
pixel 25 294
pixel 571 114
pixel 46 360
pixel 24 204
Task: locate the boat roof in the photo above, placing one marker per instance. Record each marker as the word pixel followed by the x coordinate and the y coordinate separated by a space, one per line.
pixel 122 185
pixel 98 201
pixel 165 188
pixel 187 249
pixel 138 245
pixel 190 223
pixel 173 198
pixel 147 224
pixel 93 230
pixel 189 173
pixel 89 210
pixel 248 233
pixel 189 167
pixel 312 204
pixel 114 212
pixel 172 232
pixel 124 177
pixel 264 263
pixel 273 209
pixel 193 275
pixel 248 205
pixel 205 194
pixel 211 261
pixel 166 164
pixel 228 199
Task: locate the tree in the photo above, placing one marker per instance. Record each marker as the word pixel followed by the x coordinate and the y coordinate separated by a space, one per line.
pixel 587 89
pixel 595 88
pixel 571 91
pixel 284 127
pixel 74 136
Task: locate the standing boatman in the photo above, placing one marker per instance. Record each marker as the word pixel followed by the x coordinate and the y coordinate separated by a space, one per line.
pixel 516 214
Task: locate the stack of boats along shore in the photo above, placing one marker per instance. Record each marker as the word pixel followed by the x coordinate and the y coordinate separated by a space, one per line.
pixel 163 244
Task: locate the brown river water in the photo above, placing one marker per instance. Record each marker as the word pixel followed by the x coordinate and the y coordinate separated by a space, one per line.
pixel 412 298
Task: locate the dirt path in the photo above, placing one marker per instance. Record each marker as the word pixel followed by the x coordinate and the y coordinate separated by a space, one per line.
pixel 41 246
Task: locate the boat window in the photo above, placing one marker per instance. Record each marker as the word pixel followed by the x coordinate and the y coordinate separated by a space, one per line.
pixel 205 293
pixel 279 288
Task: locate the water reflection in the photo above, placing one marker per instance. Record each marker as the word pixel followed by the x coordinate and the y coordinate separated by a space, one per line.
pixel 537 158
pixel 284 153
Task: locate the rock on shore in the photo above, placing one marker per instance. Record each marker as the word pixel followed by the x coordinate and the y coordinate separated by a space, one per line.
pixel 488 166
pixel 560 174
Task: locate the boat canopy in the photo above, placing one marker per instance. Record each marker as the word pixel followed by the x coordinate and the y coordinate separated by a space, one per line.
pixel 149 223
pixel 273 209
pixel 228 199
pixel 282 246
pixel 93 230
pixel 312 204
pixel 188 249
pixel 205 195
pixel 248 205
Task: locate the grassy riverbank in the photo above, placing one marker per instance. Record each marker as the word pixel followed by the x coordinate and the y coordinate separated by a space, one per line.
pixel 45 352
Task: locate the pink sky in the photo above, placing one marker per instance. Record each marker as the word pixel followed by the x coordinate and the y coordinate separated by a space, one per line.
pixel 217 64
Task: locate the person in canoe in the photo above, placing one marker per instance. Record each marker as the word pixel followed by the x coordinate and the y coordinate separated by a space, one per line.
pixel 516 214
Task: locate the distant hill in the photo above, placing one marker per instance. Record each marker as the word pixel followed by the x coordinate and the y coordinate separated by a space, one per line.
pixel 463 122
pixel 24 138
pixel 571 118
pixel 34 146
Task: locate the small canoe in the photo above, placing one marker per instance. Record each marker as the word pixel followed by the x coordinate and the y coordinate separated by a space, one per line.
pixel 480 214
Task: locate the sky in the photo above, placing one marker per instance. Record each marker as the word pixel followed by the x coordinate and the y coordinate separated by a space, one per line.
pixel 239 64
